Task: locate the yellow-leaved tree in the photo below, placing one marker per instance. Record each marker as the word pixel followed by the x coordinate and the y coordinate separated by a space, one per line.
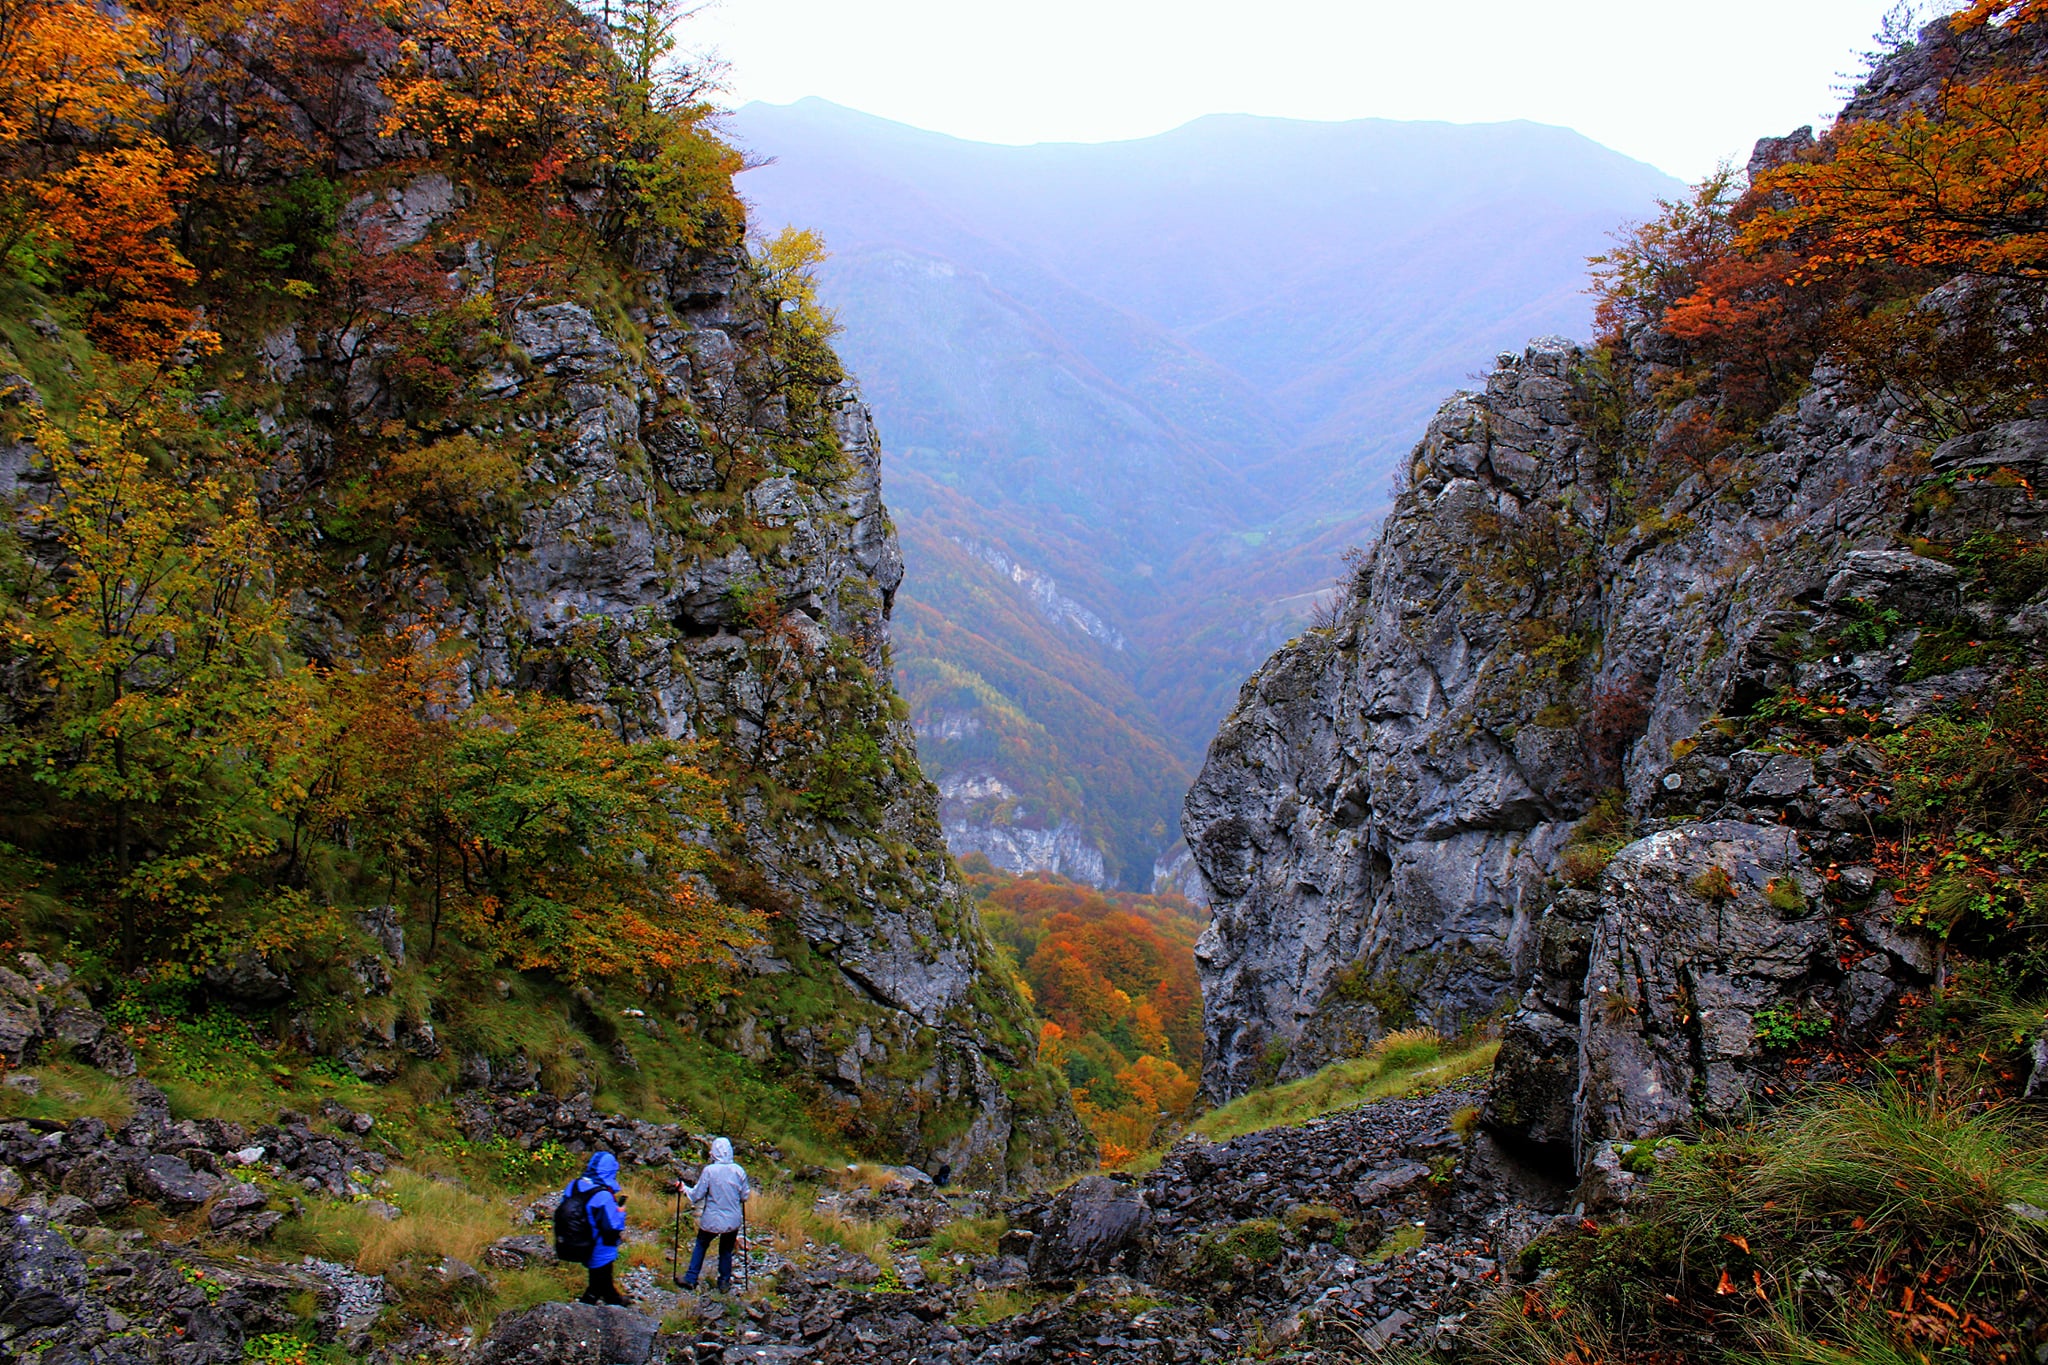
pixel 146 631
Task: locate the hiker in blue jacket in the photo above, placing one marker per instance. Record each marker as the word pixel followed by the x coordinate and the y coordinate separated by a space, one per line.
pixel 722 1189
pixel 607 1214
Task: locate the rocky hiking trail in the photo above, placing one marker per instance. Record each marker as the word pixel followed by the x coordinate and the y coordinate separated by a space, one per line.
pixel 159 1240
pixel 1331 1239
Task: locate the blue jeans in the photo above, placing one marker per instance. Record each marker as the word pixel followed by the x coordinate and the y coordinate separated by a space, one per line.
pixel 725 1243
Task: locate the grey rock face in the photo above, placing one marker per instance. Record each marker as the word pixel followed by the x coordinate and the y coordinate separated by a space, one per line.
pixel 1381 821
pixel 1681 962
pixel 1383 803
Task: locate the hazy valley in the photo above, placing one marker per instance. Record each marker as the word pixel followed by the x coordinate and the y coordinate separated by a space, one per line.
pixel 1140 397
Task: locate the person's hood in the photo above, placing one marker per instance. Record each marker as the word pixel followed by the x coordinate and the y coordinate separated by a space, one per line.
pixel 721 1150
pixel 604 1169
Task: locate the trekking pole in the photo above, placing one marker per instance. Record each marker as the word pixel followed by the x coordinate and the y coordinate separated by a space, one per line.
pixel 746 1253
pixel 675 1255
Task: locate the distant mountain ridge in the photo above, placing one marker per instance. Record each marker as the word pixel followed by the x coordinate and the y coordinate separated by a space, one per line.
pixel 1169 377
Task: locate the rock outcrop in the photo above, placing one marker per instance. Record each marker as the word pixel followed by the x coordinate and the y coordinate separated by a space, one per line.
pixel 670 509
pixel 1405 817
pixel 1376 818
pixel 701 550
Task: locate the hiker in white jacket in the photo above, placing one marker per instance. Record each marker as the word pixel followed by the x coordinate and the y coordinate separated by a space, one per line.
pixel 722 1191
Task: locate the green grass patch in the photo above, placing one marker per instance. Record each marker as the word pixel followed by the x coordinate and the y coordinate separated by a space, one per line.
pixel 1405 1064
pixel 1240 1248
pixel 1000 1305
pixel 1400 1241
pixel 69 1091
pixel 970 1236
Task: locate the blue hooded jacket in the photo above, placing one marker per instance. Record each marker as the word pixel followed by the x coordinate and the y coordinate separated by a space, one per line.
pixel 607 1219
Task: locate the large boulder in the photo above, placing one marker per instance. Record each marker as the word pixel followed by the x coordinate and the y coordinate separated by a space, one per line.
pixel 250 978
pixel 569 1334
pixel 1703 927
pixel 42 1276
pixel 87 1034
pixel 99 1181
pixel 1093 1222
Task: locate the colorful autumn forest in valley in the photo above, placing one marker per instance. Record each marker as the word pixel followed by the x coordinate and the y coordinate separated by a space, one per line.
pixel 1112 976
pixel 186 765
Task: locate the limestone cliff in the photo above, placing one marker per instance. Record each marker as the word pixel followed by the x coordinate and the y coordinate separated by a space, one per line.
pixel 1405 817
pixel 702 550
pixel 666 502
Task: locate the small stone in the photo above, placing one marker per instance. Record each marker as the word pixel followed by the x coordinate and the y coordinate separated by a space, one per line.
pixel 515 1253
pixel 68 1209
pixel 25 1083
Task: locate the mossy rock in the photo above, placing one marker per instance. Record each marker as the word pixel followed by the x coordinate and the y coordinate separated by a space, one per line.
pixel 1241 1249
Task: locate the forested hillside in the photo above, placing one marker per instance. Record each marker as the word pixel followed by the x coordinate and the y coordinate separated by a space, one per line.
pixel 1112 978
pixel 1143 396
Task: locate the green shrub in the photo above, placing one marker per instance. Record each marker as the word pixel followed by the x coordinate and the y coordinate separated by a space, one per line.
pixel 1870 626
pixel 1713 884
pixel 1783 894
pixel 1581 865
pixel 1784 1026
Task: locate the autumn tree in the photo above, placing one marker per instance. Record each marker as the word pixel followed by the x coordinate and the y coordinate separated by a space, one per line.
pixel 1962 189
pixel 525 827
pixel 150 623
pixel 516 90
pixel 88 190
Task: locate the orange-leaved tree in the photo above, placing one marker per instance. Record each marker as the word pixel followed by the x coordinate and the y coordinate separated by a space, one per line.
pixel 88 190
pixel 1961 189
pixel 1982 12
pixel 516 89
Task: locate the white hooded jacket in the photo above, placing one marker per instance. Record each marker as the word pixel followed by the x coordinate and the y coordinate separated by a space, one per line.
pixel 722 1189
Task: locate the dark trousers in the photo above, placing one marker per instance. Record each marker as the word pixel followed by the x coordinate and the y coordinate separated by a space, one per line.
pixel 725 1241
pixel 601 1289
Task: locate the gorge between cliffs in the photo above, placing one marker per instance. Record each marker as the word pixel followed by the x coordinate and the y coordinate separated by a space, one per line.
pixel 450 728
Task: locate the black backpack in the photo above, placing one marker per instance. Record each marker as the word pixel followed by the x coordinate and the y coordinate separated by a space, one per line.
pixel 574 1241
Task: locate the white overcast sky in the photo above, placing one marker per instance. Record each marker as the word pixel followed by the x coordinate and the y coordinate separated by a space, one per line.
pixel 1679 85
